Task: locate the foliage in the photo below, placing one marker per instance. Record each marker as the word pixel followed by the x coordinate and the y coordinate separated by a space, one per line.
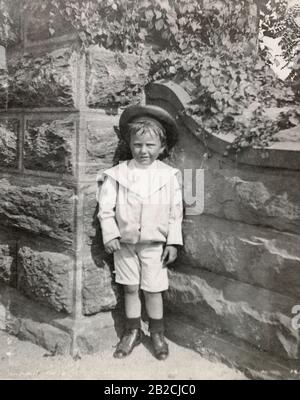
pixel 231 90
pixel 8 143
pixel 280 21
pixel 127 24
pixel 272 13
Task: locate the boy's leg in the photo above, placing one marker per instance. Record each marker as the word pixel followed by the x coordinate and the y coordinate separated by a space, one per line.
pixel 132 306
pixel 154 307
pixel 133 334
pixel 154 280
pixel 127 269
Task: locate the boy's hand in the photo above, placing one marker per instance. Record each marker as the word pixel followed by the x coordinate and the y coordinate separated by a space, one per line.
pixel 112 245
pixel 169 255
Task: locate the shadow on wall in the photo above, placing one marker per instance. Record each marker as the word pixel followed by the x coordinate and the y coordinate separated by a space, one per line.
pixel 104 260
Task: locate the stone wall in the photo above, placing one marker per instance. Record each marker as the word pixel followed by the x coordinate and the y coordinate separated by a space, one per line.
pixel 238 272
pixel 58 109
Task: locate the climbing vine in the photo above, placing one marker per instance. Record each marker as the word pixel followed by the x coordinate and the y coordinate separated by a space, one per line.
pixel 231 91
pixel 283 22
pixel 128 24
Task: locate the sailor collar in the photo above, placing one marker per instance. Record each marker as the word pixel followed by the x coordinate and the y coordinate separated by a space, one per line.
pixel 159 176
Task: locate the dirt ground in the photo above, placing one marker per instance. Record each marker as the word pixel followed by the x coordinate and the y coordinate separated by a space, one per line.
pixel 24 360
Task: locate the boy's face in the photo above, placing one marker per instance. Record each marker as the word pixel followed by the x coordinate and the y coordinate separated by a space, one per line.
pixel 146 147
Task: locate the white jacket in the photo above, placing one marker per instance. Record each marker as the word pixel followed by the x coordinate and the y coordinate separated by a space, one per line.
pixel 133 215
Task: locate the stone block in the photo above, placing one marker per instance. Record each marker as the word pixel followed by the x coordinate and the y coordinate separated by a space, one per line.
pixel 101 143
pixel 45 22
pixel 57 332
pixel 252 254
pixel 9 138
pixel 46 277
pixel 258 316
pixel 54 340
pixel 50 146
pixel 269 198
pixel 109 74
pixel 32 321
pixel 8 262
pixel 41 209
pixel 99 292
pixel 41 80
pixel 95 333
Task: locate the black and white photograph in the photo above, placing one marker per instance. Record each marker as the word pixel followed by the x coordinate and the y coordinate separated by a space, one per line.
pixel 150 192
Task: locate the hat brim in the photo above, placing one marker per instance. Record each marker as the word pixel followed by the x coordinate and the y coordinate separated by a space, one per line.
pixel 156 112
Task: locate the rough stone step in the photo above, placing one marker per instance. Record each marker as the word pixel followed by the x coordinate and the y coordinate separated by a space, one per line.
pixel 56 332
pixel 233 352
pixel 260 317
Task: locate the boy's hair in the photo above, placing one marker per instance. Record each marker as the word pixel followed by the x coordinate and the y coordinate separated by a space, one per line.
pixel 143 125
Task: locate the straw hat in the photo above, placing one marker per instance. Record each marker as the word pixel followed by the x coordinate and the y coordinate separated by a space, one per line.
pixel 134 112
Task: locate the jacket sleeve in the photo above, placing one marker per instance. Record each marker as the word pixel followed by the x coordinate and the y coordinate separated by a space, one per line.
pixel 176 214
pixel 107 197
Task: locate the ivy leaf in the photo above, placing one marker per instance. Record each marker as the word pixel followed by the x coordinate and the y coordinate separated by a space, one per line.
pixel 254 106
pixel 149 14
pixel 215 64
pixel 194 26
pixel 159 24
pixel 233 85
pixel 141 35
pixel 109 41
pixel 182 21
pixel 293 120
pixel 204 81
pixel 259 65
pixel 174 29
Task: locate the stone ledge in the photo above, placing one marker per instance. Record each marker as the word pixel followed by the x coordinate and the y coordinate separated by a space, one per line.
pixel 173 97
pixel 44 79
pixel 32 207
pixel 231 351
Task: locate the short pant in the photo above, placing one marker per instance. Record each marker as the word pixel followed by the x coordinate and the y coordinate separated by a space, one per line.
pixel 140 264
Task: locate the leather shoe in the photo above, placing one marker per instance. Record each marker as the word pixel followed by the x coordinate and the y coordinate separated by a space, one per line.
pixel 161 348
pixel 128 342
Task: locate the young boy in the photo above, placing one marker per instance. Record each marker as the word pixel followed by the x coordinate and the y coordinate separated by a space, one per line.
pixel 140 211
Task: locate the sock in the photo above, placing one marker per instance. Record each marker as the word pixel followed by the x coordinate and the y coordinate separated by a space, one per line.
pixel 156 325
pixel 133 323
